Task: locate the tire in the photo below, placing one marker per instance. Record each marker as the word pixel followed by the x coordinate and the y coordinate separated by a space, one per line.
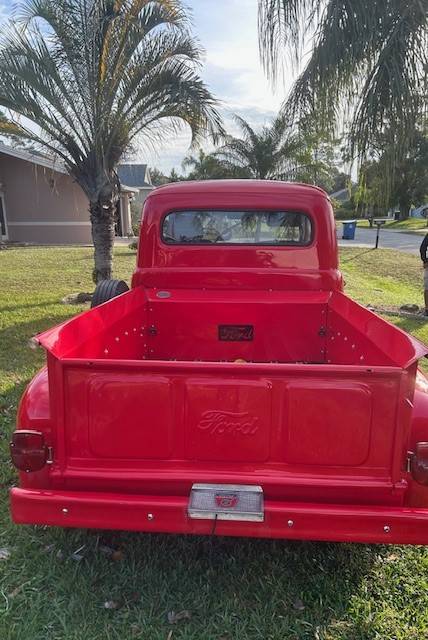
pixel 106 290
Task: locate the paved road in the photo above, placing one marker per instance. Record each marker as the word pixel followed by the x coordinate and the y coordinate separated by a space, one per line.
pixel 407 242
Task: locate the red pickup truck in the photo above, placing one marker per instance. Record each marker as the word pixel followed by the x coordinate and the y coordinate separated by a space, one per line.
pixel 234 390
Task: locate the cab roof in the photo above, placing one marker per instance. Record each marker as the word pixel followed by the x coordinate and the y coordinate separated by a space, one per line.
pixel 239 186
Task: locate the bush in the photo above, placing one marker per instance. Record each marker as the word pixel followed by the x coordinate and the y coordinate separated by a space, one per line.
pixel 346 214
pixel 135 217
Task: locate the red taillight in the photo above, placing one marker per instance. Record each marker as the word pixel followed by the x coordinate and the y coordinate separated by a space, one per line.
pixel 419 464
pixel 28 450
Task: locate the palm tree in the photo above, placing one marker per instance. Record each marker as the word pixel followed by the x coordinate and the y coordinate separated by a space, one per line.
pixel 206 166
pixel 367 66
pixel 274 152
pixel 83 78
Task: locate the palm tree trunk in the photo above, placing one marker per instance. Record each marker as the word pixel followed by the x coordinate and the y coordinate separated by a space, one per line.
pixel 102 223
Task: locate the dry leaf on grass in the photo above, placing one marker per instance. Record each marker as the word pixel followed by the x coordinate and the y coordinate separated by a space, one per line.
pixel 106 550
pixel 174 617
pixel 16 591
pixel 78 555
pixel 392 557
pixel 114 554
pixel 112 604
pixel 298 605
pixel 33 343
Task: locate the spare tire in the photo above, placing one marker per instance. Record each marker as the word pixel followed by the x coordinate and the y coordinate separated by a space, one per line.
pixel 108 289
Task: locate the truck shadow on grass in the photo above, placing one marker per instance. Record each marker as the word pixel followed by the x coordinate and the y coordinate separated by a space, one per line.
pixel 226 587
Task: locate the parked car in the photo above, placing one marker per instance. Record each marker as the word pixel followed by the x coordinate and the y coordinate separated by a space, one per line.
pixel 235 389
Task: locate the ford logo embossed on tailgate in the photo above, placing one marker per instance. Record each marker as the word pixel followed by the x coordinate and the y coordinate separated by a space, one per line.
pixel 226 422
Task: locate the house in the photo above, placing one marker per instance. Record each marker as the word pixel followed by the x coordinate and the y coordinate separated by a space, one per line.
pixel 420 212
pixel 40 203
pixel 136 176
pixel 343 195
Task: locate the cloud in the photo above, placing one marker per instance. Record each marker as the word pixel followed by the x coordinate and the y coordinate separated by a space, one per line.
pixel 170 153
pixel 4 11
pixel 232 70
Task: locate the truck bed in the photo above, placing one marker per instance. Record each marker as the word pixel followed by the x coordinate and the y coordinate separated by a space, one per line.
pixel 227 326
pixel 150 397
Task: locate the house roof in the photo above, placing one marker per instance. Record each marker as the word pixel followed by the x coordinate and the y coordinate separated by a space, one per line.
pixel 343 195
pixel 134 175
pixel 35 158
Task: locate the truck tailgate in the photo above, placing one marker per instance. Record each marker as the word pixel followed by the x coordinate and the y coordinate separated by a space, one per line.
pixel 153 422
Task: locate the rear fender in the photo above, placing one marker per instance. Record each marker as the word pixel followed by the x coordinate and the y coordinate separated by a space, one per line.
pixel 419 425
pixel 34 413
pixel 418 494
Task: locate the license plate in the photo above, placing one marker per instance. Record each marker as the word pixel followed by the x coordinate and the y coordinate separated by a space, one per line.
pixel 242 502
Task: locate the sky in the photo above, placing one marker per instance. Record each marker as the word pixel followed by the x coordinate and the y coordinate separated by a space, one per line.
pixel 227 30
pixel 232 70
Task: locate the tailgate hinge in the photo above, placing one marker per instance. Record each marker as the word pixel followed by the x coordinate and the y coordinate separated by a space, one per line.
pixel 409 459
pixel 49 459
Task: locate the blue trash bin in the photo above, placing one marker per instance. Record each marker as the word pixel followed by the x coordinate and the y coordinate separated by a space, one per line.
pixel 349 227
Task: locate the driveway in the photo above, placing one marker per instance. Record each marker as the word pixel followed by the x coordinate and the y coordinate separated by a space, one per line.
pixel 407 242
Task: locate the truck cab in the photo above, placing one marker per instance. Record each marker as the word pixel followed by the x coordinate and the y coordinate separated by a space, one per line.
pixel 234 389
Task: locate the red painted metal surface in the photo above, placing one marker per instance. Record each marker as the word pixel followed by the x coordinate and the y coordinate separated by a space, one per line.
pixel 303 521
pixel 143 396
pixel 239 267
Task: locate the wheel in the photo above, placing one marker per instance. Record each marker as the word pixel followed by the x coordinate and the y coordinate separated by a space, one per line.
pixel 106 290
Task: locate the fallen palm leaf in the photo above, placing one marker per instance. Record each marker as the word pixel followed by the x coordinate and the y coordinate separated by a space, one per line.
pixel 4 554
pixel 174 617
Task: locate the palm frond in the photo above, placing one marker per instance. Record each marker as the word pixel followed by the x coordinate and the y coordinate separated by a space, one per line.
pixel 283 25
pixel 367 70
pixel 261 154
pixel 91 75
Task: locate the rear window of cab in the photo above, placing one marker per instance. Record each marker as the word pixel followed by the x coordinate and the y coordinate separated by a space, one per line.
pixel 237 227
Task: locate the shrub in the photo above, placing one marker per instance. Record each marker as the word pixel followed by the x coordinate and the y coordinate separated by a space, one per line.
pixel 346 214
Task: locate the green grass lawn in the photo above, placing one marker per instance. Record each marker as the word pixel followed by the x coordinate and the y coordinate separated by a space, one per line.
pixel 234 589
pixel 418 225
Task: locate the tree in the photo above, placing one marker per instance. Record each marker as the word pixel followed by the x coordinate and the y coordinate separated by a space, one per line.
pixel 206 166
pixel 174 176
pixel 411 177
pixel 341 180
pixel 279 152
pixel 316 160
pixel 367 64
pixel 92 75
pixel 267 154
pixel 409 180
pixel 157 177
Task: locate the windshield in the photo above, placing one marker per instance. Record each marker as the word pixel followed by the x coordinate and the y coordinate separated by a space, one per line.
pixel 237 227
